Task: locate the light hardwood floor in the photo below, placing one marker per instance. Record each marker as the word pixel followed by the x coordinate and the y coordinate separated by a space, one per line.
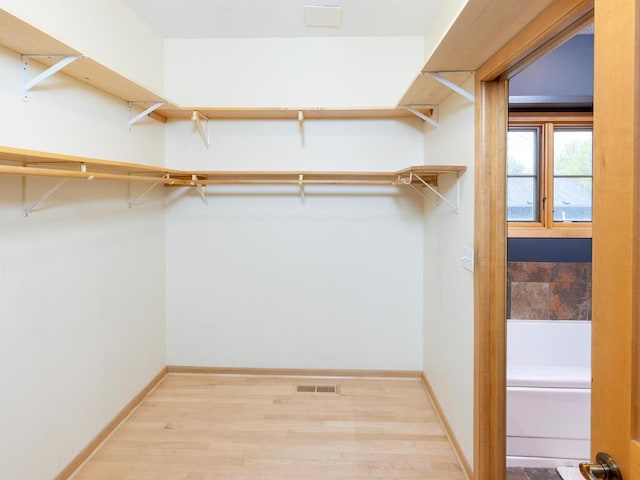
pixel 205 427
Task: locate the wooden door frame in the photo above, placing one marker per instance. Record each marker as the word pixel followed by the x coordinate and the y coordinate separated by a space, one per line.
pixel 556 24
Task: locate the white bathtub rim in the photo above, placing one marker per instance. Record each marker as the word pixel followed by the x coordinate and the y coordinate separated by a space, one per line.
pixel 548 377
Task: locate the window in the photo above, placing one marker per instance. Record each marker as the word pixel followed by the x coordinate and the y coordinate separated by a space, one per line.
pixel 550 175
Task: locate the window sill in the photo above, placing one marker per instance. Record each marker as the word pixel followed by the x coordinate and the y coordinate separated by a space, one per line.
pixel 557 231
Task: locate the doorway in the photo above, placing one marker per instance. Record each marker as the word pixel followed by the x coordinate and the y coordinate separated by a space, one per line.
pixel 549 176
pixel 561 21
pixel 616 251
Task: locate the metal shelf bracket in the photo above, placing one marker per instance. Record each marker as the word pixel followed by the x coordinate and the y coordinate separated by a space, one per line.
pixel 451 85
pixel 135 119
pixel 426 118
pixel 27 209
pixel 29 84
pixel 133 202
pixel 301 126
pixel 202 125
pixel 409 181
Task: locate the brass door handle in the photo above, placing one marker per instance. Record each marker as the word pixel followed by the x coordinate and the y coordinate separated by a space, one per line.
pixel 605 468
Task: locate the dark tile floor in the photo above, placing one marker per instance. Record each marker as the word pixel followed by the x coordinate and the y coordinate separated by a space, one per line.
pixel 532 474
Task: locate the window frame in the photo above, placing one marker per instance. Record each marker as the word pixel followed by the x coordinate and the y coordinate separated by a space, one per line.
pixel 546 226
pixel 536 175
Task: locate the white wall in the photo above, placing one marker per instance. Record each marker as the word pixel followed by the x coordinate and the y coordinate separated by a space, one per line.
pixel 257 279
pixel 297 72
pixel 108 31
pixel 81 280
pixel 448 292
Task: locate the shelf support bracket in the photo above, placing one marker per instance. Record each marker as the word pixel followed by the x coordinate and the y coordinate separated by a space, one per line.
pixel 141 115
pixel 451 85
pixel 301 126
pixel 134 202
pixel 26 210
pixel 29 84
pixel 301 183
pixel 421 193
pixel 409 181
pixel 202 189
pixel 202 124
pixel 438 194
pixel 424 117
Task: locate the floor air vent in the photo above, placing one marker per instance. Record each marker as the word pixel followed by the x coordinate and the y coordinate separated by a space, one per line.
pixel 325 389
pixel 316 389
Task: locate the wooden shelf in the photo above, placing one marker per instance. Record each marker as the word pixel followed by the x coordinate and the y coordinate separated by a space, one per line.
pixel 15 161
pixel 20 162
pixel 288 113
pixel 21 37
pixel 428 173
pixel 47 160
pixel 480 30
pixel 25 39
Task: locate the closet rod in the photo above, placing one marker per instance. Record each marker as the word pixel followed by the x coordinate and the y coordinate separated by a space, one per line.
pixel 294 182
pixel 50 172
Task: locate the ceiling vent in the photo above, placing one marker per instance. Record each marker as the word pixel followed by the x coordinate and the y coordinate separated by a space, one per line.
pixel 322 16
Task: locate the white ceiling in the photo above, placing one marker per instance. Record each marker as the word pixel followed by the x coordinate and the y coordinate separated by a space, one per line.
pixel 283 18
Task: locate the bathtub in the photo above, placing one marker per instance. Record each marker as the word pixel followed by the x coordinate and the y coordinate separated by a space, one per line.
pixel 548 392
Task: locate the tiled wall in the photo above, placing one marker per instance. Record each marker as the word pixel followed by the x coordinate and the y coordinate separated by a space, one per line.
pixel 549 291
